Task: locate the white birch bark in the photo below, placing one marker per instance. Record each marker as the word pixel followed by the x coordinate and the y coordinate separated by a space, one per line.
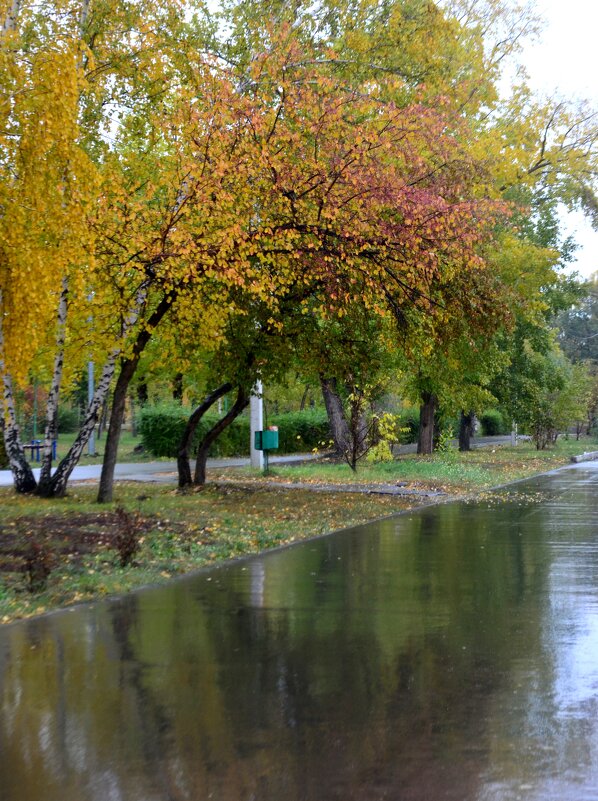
pixel 83 16
pixel 12 15
pixel 23 477
pixel 58 483
pixel 52 404
pixel 46 483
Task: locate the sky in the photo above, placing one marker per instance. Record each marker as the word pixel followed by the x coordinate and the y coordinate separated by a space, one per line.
pixel 565 60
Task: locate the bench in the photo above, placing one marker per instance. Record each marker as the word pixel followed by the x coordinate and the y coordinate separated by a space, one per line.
pixel 36 446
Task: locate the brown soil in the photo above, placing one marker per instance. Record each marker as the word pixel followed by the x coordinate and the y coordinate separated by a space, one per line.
pixel 65 536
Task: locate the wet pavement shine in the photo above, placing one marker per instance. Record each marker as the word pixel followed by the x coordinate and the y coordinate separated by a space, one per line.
pixel 448 653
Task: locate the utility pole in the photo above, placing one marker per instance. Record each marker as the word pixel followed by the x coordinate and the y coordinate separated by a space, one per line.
pixel 256 418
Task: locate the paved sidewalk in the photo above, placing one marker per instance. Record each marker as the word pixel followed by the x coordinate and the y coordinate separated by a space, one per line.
pixel 164 472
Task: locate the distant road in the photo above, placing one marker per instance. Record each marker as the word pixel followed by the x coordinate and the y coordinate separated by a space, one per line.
pixel 476 442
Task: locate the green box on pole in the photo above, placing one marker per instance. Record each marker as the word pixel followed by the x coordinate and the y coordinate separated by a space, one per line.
pixel 266 440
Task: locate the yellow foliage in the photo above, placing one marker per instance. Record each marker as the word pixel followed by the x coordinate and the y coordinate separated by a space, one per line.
pixel 47 183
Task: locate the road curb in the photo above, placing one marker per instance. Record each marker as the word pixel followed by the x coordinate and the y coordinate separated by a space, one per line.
pixel 585 457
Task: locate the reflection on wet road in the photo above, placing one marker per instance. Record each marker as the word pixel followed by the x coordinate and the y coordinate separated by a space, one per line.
pixel 451 653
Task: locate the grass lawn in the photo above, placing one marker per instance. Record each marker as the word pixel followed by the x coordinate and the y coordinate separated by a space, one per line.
pixel 77 541
pixel 126 449
pixel 452 472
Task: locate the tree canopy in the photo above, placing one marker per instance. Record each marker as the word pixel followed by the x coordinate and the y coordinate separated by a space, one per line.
pixel 177 176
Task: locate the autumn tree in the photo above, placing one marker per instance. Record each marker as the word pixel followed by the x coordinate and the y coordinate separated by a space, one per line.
pixel 121 66
pixel 45 183
pixel 577 336
pixel 346 194
pixel 358 43
pixel 351 155
pixel 448 363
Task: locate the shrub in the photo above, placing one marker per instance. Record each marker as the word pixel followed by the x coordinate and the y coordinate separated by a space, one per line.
pixel 126 540
pixel 443 443
pixel 381 452
pixel 299 432
pixel 492 423
pixel 67 423
pixel 68 420
pixel 234 440
pixel 385 433
pixel 161 428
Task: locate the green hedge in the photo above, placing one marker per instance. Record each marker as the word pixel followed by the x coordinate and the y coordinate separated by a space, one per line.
pixel 492 423
pixel 299 432
pixel 161 428
pixel 67 419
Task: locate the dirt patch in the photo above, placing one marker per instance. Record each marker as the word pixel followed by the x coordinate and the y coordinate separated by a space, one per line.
pixel 66 537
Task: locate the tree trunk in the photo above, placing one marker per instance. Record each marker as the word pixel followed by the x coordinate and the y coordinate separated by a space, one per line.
pixel 4 464
pixel 10 21
pixel 466 423
pixel 240 403
pixel 22 474
pixel 359 431
pixel 304 397
pixel 339 427
pixel 132 413
pixel 183 455
pixel 177 387
pixel 58 483
pixel 52 403
pixel 83 16
pixel 127 371
pixel 103 417
pixel 142 393
pixel 427 410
